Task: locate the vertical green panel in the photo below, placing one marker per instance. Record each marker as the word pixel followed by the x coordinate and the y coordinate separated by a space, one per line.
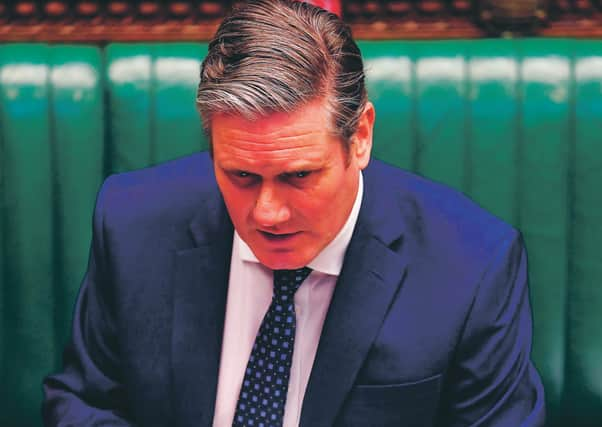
pixel 78 139
pixel 28 317
pixel 441 81
pixel 493 126
pixel 129 117
pixel 543 199
pixel 389 72
pixel 584 350
pixel 177 126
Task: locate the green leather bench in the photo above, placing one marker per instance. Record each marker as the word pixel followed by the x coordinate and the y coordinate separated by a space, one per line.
pixel 515 124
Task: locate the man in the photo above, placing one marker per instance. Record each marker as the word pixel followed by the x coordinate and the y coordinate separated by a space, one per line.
pixel 283 281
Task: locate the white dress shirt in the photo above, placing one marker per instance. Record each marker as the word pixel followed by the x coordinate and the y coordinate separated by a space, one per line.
pixel 249 295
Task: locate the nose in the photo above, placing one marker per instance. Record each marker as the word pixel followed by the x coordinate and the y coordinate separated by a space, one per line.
pixel 270 208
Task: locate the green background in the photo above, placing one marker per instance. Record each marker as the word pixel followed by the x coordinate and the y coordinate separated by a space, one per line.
pixel 515 124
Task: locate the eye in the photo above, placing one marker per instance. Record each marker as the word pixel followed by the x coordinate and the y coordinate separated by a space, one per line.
pixel 243 178
pixel 240 174
pixel 297 175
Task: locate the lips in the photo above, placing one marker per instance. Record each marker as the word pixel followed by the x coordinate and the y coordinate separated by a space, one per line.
pixel 277 237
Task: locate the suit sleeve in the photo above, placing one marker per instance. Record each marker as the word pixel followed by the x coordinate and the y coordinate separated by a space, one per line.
pixel 89 390
pixel 493 382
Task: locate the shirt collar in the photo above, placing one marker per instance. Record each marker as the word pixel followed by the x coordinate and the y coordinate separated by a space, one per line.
pixel 330 259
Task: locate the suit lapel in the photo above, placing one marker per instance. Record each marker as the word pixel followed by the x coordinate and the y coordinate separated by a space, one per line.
pixel 369 281
pixel 200 290
pixel 362 297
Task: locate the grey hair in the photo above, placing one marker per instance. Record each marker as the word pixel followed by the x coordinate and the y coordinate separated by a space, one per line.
pixel 277 55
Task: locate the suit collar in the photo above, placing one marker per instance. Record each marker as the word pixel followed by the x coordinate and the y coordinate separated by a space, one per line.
pixel 371 277
pixel 379 216
pixel 211 221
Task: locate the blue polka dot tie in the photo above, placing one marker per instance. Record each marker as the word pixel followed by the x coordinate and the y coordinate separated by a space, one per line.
pixel 264 388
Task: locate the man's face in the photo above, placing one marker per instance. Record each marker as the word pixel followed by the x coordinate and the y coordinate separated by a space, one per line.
pixel 288 183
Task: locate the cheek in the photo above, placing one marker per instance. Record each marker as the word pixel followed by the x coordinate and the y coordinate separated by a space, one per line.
pixel 324 197
pixel 333 201
pixel 331 191
pixel 314 207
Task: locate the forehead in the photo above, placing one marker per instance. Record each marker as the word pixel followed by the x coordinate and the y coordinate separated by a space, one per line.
pixel 313 117
pixel 304 133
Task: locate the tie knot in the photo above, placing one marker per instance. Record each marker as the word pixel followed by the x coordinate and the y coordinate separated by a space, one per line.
pixel 288 281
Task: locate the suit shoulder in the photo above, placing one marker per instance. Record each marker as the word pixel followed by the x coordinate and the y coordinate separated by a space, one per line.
pixel 173 172
pixel 167 190
pixel 438 215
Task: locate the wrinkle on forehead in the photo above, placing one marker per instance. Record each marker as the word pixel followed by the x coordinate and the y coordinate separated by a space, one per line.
pixel 269 129
pixel 313 116
pixel 258 140
pixel 302 135
pixel 267 154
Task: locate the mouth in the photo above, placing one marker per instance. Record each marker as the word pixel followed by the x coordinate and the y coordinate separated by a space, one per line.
pixel 278 237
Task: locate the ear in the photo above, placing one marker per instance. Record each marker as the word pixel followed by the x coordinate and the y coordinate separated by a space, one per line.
pixel 362 139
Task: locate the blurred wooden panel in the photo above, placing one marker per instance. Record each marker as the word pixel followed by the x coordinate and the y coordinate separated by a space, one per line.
pixel 94 21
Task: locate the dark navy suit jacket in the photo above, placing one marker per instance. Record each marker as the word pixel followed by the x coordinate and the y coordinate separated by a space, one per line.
pixel 429 325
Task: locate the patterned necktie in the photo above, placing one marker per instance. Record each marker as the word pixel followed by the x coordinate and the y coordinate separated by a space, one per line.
pixel 264 388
